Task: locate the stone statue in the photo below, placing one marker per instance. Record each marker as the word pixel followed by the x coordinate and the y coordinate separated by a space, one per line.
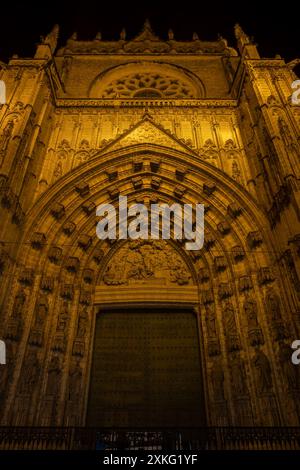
pixel 263 372
pixel 75 378
pixel 290 371
pixel 231 332
pixel 210 319
pixel 82 322
pixel 236 174
pixel 63 318
pixel 273 304
pixel 41 311
pixel 250 309
pixel 170 35
pixel 30 373
pixel 19 303
pixel 238 376
pixel 217 378
pixel 54 372
pixel 5 136
pixel 285 132
pixel 123 34
pixel 229 319
pixel 58 170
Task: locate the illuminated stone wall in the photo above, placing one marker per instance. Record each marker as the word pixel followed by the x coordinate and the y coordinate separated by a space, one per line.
pixel 158 121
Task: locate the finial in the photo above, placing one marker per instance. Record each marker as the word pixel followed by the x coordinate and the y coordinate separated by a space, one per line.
pixel 98 36
pixel 170 34
pixel 123 34
pixel 147 25
pixel 195 37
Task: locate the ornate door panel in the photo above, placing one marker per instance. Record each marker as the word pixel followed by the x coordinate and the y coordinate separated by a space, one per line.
pixel 146 370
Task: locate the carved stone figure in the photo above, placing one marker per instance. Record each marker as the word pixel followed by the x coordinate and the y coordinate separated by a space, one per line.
pixel 230 327
pixel 82 322
pixel 290 371
pixel 210 319
pixel 285 132
pixel 263 372
pixel 19 303
pixel 235 172
pixel 58 170
pixel 238 376
pixel 254 331
pixel 75 378
pixel 5 137
pixel 63 318
pixel 29 374
pixel 41 311
pixel 273 304
pixel 250 309
pixel 217 378
pixel 53 379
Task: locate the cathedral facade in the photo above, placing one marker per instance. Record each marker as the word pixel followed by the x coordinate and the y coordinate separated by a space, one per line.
pixel 143 332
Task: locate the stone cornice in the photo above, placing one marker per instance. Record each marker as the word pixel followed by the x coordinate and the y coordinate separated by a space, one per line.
pixel 203 103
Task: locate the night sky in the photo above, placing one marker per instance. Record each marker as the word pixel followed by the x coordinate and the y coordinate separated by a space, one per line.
pixel 276 31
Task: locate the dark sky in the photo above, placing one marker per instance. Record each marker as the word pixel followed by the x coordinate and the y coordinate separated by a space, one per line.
pixel 276 29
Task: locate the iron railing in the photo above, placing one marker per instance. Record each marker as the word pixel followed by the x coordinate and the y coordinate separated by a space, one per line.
pixel 206 438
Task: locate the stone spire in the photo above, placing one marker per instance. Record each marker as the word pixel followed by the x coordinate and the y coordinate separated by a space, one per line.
pixel 52 38
pixel 245 46
pixel 48 42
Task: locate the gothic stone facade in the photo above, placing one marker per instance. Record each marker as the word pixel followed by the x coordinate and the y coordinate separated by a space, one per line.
pixel 157 121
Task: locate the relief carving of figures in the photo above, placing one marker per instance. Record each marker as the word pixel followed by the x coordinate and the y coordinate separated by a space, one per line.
pixel 29 374
pixel 143 261
pixel 217 378
pixel 254 331
pixel 230 327
pixel 54 374
pixel 263 372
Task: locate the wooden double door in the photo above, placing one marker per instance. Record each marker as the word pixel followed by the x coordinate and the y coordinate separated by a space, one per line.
pixel 146 370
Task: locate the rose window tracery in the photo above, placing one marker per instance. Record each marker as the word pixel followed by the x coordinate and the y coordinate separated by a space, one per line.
pixel 148 85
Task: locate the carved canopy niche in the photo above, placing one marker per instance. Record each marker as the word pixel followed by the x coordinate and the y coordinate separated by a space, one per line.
pixel 146 261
